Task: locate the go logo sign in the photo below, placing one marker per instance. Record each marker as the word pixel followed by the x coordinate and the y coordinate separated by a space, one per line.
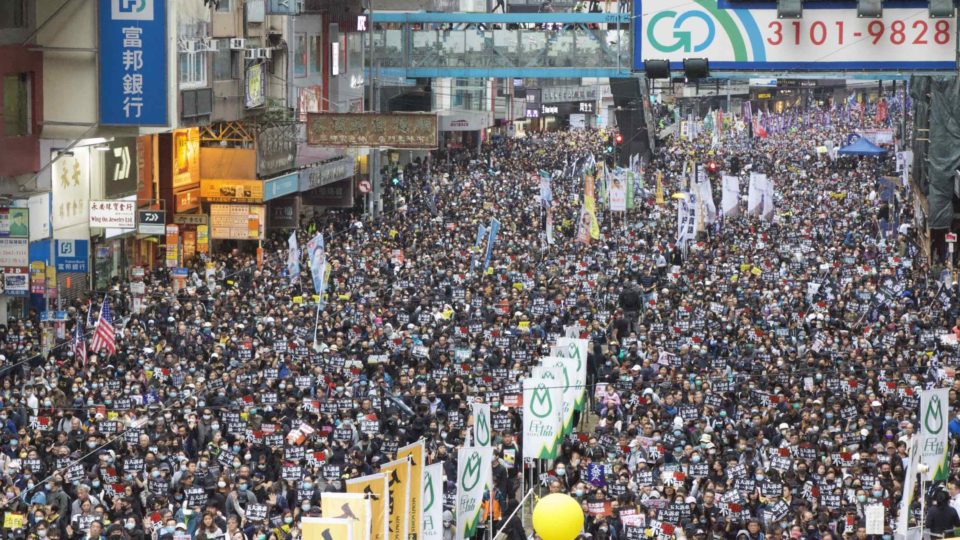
pixel 683 38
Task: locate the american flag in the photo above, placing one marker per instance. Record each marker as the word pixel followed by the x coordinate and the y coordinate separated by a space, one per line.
pixel 103 334
pixel 79 345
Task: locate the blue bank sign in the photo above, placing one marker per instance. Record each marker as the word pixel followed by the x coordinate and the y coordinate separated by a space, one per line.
pixel 133 67
pixel 72 255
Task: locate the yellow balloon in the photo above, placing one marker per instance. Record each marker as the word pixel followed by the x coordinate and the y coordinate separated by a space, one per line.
pixel 558 517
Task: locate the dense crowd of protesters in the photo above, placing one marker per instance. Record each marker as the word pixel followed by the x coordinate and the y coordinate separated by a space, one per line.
pixel 761 383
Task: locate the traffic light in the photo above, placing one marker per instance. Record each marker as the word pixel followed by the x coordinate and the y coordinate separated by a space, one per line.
pixel 712 168
pixel 610 142
pixel 619 138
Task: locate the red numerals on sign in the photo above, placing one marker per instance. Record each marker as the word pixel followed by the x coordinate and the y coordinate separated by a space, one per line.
pixel 898 32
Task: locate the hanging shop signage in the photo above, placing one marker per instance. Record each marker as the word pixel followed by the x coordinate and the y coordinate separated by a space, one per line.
pixel 233 221
pixel 280 186
pixel 14 252
pixel 186 200
pixel 532 103
pixel 71 188
pixel 38 277
pixel 172 242
pixel 322 174
pixel 336 195
pixel 113 214
pixel 254 95
pixel 466 120
pixel 133 78
pixel 416 131
pixel 71 255
pixel 186 157
pixel 276 149
pixel 573 107
pixel 283 213
pixel 151 221
pixel 16 281
pixel 235 191
pixel 190 219
pixel 557 94
pixel 120 168
pixel 14 223
pixel 39 206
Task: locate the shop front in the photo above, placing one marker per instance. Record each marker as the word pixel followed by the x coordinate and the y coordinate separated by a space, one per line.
pixel 463 129
pixel 180 173
pixel 237 213
pixel 283 210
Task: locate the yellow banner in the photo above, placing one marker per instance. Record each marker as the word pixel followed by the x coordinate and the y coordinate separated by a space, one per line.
pixel 352 506
pixel 374 486
pixel 414 452
pixel 398 476
pixel 315 528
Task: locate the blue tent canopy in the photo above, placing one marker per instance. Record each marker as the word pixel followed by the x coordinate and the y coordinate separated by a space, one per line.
pixel 862 147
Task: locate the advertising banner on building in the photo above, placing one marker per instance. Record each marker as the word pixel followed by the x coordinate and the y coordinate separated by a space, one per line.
pixel 276 150
pixel 14 222
pixel 254 88
pixel 186 157
pixel 72 255
pixel 16 281
pixel 234 191
pixel 415 131
pixel 336 195
pixel 755 38
pixel 120 168
pixel 232 221
pixel 274 188
pixel 186 200
pixel 113 214
pixel 283 213
pixel 39 206
pixel 71 189
pixel 133 79
pixel 321 174
pixel 14 252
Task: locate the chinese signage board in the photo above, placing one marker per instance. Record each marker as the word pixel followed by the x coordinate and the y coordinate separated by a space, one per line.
pixel 557 94
pixel 71 188
pixel 186 200
pixel 186 157
pixel 254 89
pixel 235 191
pixel 826 38
pixel 16 281
pixel 418 131
pixel 113 214
pixel 232 221
pixel 278 187
pixel 133 64
pixel 335 195
pixel 14 223
pixel 276 150
pixel 71 255
pixel 284 213
pixel 577 107
pixel 190 219
pixel 172 242
pixel 120 168
pixel 322 174
pixel 14 252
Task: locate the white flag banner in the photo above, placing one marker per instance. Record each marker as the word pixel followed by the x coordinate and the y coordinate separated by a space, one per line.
pixel 767 206
pixel 730 196
pixel 686 218
pixel 934 416
pixel 758 183
pixel 909 483
pixel 618 191
pixel 574 380
pixel 432 502
pixel 542 402
pixel 705 194
pixel 482 432
pixel 556 376
pixel 575 349
pixel 473 475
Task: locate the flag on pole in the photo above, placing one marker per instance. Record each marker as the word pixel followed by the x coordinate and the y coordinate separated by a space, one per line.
pixel 473 476
pixel 481 425
pixel 103 334
pixel 431 524
pixel 79 345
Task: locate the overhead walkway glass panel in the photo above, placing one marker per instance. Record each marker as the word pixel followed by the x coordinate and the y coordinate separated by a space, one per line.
pixel 535 45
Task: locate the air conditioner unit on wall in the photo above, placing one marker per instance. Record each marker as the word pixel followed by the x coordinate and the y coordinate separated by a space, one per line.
pixel 250 54
pixel 236 44
pixel 190 46
pixel 264 53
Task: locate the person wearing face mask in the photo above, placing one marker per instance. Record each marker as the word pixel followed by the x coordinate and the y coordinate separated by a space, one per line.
pixel 240 498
